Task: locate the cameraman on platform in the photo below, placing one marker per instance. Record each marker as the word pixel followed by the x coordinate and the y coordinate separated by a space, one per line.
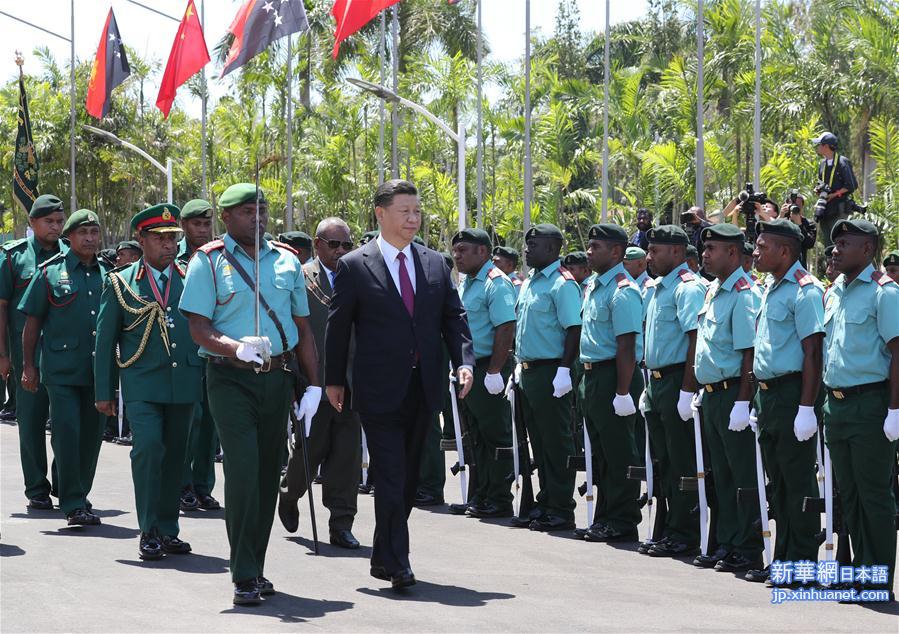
pixel 836 182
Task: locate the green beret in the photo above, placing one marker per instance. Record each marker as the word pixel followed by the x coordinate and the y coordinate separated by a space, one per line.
pixel 296 239
pixel 667 234
pixel 81 218
pixel 892 259
pixel 544 231
pixel 856 227
pixel 418 240
pixel 781 227
pixel 157 219
pixel 575 257
pixel 239 194
pixel 44 205
pixel 368 236
pixel 607 231
pixel 748 248
pixel 692 252
pixel 129 244
pixel 196 208
pixel 724 232
pixel 828 251
pixel 506 252
pixel 634 253
pixel 474 236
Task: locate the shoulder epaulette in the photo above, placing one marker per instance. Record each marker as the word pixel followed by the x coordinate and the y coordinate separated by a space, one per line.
pixel 686 276
pixel 742 284
pixel 209 247
pixel 284 246
pixel 181 272
pixel 517 282
pixel 52 259
pixel 140 272
pixel 882 278
pixel 494 273
pixel 565 273
pixel 9 245
pixel 803 277
pixel 622 280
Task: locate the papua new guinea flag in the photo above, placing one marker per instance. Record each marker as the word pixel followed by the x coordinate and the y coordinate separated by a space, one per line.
pixel 257 24
pixel 109 70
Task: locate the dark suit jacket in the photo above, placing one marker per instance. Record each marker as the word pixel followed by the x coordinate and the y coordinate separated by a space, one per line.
pixel 319 292
pixel 386 336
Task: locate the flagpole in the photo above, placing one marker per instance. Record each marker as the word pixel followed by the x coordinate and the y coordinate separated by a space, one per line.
pixel 72 199
pixel 480 157
pixel 395 114
pixel 203 105
pixel 757 114
pixel 527 115
pixel 605 123
pixel 382 52
pixel 700 101
pixel 288 221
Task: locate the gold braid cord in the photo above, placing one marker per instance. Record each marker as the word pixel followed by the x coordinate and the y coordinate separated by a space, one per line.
pixel 149 312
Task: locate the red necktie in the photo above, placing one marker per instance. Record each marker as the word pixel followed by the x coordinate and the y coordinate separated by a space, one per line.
pixel 406 290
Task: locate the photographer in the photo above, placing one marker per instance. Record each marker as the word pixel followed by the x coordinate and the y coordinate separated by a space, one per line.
pixel 836 182
pixel 693 222
pixel 747 209
pixel 792 210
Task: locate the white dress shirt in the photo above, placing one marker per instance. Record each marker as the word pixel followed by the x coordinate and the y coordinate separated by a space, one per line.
pixel 390 253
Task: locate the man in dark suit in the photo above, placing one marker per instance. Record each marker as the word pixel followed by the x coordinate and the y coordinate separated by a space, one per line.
pixel 403 303
pixel 334 440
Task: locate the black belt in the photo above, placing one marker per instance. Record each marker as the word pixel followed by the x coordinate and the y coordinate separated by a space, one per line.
pixel 721 385
pixel 275 363
pixel 840 393
pixel 767 384
pixel 595 365
pixel 536 363
pixel 664 371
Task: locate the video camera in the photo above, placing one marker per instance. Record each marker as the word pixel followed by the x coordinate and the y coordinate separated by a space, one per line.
pixel 749 195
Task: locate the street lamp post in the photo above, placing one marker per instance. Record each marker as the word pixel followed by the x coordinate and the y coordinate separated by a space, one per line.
pixel 166 169
pixel 457 136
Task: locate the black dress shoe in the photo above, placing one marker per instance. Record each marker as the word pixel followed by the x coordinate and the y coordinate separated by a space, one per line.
pixel 150 549
pixel 426 499
pixel 41 503
pixel 8 414
pixel 365 489
pixel 82 517
pixel 525 522
pixel 124 440
pixel 709 561
pixel 289 514
pixel 609 534
pixel 171 545
pixel 458 509
pixel 379 572
pixel 490 510
pixel 736 562
pixel 344 539
pixel 189 501
pixel 644 546
pixel 402 579
pixel 672 548
pixel 759 575
pixel 246 593
pixel 208 503
pixel 219 457
pixel 264 586
pixel 108 436
pixel 551 523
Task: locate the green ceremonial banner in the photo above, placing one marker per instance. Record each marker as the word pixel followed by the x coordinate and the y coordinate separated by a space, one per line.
pixel 25 166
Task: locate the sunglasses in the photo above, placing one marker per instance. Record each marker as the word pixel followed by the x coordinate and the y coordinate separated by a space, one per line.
pixel 333 244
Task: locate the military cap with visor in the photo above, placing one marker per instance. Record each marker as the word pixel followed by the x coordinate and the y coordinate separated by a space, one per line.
pixel 157 219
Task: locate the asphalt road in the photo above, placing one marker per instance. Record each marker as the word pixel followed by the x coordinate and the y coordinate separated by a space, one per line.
pixel 473 576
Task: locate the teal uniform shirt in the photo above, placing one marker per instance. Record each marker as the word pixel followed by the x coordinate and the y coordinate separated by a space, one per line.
pixel 829 307
pixel 516 283
pixel 489 301
pixel 726 328
pixel 65 295
pixel 671 313
pixel 791 310
pixel 549 304
pixel 216 291
pixel 862 318
pixel 613 306
pixel 586 284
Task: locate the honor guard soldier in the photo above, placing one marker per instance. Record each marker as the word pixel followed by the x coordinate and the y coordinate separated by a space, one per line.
pixel 723 366
pixel 299 241
pixel 670 346
pixel 19 260
pixel 635 265
pixel 489 300
pixel 547 335
pixel 61 303
pixel 611 345
pixel 247 379
pixel 142 337
pixel 891 265
pixel 199 467
pixel 577 264
pixel 506 260
pixel 861 410
pixel 126 252
pixel 787 368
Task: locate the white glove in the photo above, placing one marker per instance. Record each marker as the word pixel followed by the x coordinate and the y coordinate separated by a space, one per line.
pixel 623 404
pixel 644 403
pixel 805 424
pixel 739 416
pixel 307 406
pixel 516 374
pixel 891 425
pixel 753 421
pixel 562 382
pixel 685 405
pixel 254 349
pixel 494 383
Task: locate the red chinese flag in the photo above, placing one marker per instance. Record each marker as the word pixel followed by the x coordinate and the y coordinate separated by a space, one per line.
pixel 189 54
pixel 352 15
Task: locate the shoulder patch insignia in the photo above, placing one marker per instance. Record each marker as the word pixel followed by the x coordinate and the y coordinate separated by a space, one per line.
pixel 803 277
pixel 566 274
pixel 140 273
pixel 209 247
pixel 12 244
pixel 622 280
pixel 284 246
pixel 52 259
pixel 494 273
pixel 686 275
pixel 742 285
pixel 882 278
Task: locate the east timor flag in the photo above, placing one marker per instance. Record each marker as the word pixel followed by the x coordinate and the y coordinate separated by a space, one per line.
pixel 109 70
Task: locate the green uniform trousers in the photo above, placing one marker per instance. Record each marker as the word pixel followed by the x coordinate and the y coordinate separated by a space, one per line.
pixel 732 456
pixel 199 467
pixel 674 444
pixel 32 412
pixel 159 441
pixel 432 472
pixel 548 421
pixel 862 463
pixel 76 437
pixel 489 420
pixel 250 412
pixel 791 468
pixel 613 447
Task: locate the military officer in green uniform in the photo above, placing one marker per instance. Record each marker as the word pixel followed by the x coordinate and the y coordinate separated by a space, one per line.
pixel 126 252
pixel 506 260
pixel 547 335
pixel 787 367
pixel 861 409
pixel 723 366
pixel 891 265
pixel 19 260
pixel 61 303
pixel 248 380
pixel 610 347
pixel 670 347
pixel 199 468
pixel 489 300
pixel 143 339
